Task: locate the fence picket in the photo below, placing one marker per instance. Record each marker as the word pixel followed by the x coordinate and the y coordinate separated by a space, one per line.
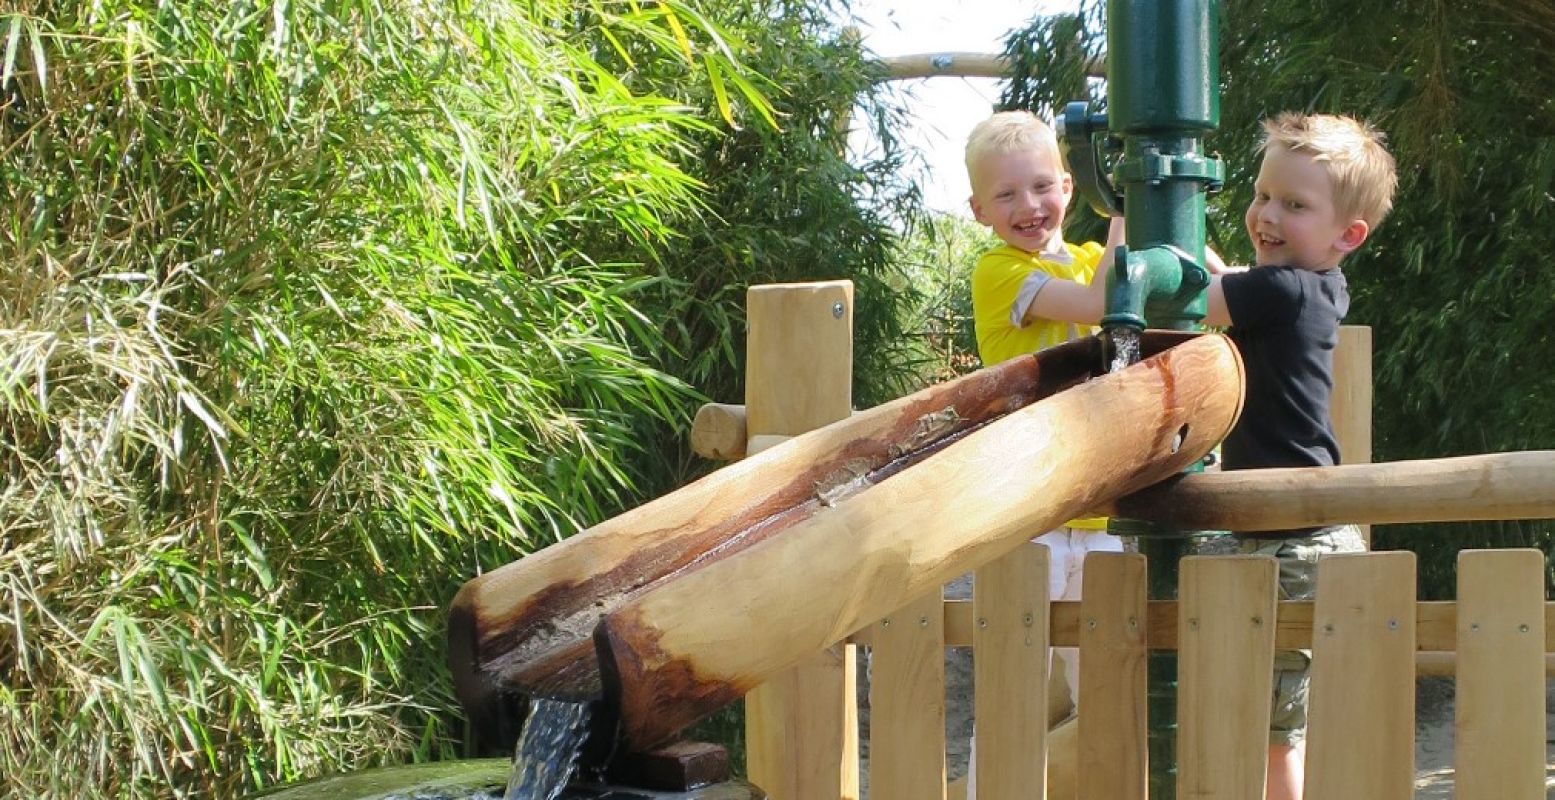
pixel 1225 669
pixel 1112 751
pixel 1499 747
pixel 907 702
pixel 1361 728
pixel 1010 674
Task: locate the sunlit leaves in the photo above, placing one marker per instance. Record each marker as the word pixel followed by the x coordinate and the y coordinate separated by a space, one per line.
pixel 310 311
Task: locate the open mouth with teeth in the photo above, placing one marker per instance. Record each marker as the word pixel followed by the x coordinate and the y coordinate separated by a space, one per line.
pixel 1029 227
pixel 1265 240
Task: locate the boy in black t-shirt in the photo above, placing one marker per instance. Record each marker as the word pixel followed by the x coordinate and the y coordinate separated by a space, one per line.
pixel 1324 185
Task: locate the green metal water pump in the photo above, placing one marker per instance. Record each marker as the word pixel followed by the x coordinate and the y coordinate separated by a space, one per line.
pixel 1163 70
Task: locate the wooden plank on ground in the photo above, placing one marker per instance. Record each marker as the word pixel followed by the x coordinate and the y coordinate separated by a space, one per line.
pixel 1499 745
pixel 907 703
pixel 1361 716
pixel 1010 675
pixel 1113 760
pixel 1225 670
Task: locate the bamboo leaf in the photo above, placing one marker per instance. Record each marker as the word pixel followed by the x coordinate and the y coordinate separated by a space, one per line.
pixel 39 63
pixel 715 78
pixel 754 96
pixel 616 45
pixel 681 39
pixel 12 39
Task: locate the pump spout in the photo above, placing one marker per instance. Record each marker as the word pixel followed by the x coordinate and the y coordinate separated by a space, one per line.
pixel 1162 283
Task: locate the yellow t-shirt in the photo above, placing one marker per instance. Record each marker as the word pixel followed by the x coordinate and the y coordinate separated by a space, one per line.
pixel 996 284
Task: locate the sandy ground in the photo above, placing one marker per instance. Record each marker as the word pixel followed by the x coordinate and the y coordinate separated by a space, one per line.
pixel 1433 723
pixel 1433 739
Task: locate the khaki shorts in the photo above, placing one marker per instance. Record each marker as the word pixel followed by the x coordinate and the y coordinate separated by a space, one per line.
pixel 1298 581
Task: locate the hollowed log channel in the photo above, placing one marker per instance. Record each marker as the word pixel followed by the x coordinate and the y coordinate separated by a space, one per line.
pixel 713 587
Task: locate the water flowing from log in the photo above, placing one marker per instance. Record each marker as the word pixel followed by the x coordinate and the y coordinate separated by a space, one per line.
pixel 547 749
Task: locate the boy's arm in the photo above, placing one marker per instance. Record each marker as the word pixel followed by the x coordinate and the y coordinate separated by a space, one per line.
pixel 1072 301
pixel 1217 315
pixel 1115 233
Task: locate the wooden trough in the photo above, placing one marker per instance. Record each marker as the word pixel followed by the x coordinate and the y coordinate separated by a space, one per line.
pixel 895 500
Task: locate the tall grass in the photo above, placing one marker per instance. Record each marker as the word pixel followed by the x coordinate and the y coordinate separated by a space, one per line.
pixel 307 311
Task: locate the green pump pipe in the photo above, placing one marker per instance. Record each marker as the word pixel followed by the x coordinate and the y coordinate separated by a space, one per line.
pixel 1163 68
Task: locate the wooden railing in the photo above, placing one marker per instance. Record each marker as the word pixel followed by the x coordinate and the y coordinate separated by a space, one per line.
pixel 1368 634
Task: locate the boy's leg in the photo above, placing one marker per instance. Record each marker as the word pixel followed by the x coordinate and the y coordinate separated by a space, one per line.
pixel 1298 559
pixel 1287 765
pixel 1061 552
pixel 1288 725
pixel 1065 557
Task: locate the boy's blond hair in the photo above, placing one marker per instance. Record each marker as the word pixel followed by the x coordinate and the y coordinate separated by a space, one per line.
pixel 1008 132
pixel 1363 171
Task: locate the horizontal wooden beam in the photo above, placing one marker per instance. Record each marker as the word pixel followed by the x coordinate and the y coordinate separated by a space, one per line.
pixel 718 432
pixel 960 65
pixel 1436 625
pixel 1496 486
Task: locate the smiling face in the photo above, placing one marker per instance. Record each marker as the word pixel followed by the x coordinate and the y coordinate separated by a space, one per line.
pixel 1293 221
pixel 1022 195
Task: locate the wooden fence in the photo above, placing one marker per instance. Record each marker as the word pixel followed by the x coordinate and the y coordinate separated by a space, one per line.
pixel 1367 633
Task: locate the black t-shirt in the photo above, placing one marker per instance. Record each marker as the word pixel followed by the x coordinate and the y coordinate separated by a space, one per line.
pixel 1285 321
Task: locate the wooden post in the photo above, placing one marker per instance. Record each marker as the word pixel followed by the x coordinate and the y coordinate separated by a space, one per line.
pixel 801 729
pixel 1350 409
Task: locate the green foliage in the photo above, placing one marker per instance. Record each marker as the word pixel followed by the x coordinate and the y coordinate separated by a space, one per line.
pixel 1050 62
pixel 1456 283
pixel 313 310
pixel 938 260
pixel 783 204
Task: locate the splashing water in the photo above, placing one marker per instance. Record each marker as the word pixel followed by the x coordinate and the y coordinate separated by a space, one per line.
pixel 547 749
pixel 1125 343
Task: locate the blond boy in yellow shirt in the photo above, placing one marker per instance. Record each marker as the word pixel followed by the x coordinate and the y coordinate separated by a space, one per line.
pixel 1032 292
